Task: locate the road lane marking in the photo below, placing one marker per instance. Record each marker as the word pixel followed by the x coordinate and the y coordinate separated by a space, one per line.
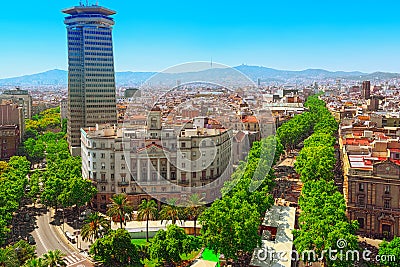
pixel 67 250
pixel 41 240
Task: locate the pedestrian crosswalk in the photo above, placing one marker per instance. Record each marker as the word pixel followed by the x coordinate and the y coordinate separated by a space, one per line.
pixel 73 259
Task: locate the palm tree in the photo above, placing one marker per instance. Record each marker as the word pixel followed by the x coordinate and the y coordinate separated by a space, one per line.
pixel 120 209
pixel 24 251
pixel 194 207
pixel 94 227
pixel 147 211
pixel 8 257
pixel 54 258
pixel 171 211
pixel 39 262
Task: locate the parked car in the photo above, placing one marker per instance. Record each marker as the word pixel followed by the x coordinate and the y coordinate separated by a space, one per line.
pixel 27 218
pixel 31 240
pixel 84 215
pixel 70 237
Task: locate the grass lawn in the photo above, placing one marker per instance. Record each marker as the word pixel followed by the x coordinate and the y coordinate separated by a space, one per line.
pixel 209 255
pixel 139 242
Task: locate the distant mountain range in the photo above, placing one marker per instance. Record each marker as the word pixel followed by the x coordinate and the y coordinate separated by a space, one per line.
pixel 60 77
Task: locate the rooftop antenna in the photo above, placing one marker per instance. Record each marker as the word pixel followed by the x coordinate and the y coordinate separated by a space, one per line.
pixel 87 2
pixel 80 3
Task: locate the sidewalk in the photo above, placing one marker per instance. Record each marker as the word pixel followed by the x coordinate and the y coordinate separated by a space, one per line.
pixel 370 241
pixel 78 245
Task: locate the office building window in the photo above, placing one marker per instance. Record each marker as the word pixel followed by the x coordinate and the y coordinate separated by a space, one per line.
pixel 387 189
pixel 361 200
pixel 361 187
pixel 386 203
pixel 361 222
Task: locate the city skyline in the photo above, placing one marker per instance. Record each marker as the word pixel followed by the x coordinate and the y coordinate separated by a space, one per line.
pixel 290 35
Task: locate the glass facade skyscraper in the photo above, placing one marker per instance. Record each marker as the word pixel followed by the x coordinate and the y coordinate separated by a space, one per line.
pixel 91 76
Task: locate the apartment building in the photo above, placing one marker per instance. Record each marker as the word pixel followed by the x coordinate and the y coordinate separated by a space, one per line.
pixel 11 130
pixel 371 162
pixel 156 162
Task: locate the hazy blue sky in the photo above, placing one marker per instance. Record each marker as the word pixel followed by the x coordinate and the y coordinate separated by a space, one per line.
pixel 153 35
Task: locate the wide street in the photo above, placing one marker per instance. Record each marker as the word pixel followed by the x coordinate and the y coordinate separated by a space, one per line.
pixel 48 237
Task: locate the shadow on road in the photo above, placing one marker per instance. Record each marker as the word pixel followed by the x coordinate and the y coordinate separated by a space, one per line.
pixel 24 221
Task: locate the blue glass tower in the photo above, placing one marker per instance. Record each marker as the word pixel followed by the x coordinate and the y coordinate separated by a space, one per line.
pixel 91 76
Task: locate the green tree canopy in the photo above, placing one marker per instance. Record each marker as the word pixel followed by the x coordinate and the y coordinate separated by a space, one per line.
pixel 169 245
pixel 323 220
pixel 115 249
pixel 54 258
pixel 24 251
pixel 120 209
pixel 390 249
pixel 13 181
pixel 171 211
pixel 230 227
pixel 96 225
pixel 316 162
pixel 318 139
pixel 8 257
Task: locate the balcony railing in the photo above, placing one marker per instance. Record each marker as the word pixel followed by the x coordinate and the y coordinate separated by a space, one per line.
pixel 123 183
pixel 374 207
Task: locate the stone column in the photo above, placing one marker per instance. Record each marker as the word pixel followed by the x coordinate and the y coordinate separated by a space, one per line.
pixel 148 170
pixel 373 194
pixel 373 217
pixel 138 167
pixel 352 191
pixel 158 169
pixel 168 170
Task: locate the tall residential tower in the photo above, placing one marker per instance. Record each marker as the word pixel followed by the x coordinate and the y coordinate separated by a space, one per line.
pixel 91 76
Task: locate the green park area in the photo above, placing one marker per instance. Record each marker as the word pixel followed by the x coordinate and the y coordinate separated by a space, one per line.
pixel 139 242
pixel 210 255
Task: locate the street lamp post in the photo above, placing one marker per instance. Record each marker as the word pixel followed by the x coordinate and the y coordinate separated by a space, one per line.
pixel 63 221
pixel 77 239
